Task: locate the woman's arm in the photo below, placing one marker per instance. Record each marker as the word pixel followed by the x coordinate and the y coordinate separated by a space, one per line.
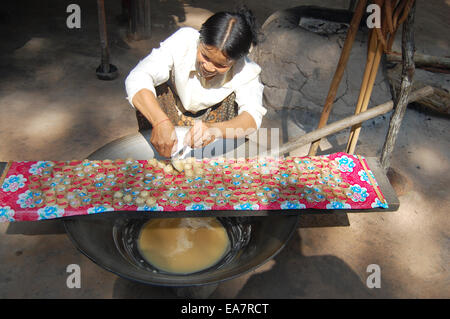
pixel 146 102
pixel 163 136
pixel 151 72
pixel 249 99
pixel 201 134
pixel 240 126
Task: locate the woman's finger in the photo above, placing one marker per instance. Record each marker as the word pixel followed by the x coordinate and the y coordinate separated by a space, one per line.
pixel 198 136
pixel 188 139
pixel 166 150
pixel 198 142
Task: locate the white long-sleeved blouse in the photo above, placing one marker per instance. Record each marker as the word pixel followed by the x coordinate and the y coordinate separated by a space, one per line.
pixel 178 54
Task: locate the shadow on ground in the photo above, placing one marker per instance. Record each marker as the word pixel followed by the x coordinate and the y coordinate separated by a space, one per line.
pixel 295 275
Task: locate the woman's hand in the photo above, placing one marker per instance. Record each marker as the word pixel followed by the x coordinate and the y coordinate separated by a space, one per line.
pixel 200 135
pixel 164 138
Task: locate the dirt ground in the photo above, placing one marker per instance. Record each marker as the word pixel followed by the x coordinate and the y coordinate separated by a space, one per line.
pixel 53 107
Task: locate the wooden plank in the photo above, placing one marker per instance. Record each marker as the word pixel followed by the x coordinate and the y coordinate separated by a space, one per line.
pixel 2 167
pixel 384 184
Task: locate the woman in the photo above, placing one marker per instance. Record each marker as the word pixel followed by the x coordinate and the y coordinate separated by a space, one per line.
pixel 196 78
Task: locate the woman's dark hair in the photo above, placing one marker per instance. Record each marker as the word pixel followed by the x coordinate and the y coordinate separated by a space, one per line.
pixel 231 32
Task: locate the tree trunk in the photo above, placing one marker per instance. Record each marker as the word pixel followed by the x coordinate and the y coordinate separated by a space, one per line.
pixel 140 20
pixel 406 86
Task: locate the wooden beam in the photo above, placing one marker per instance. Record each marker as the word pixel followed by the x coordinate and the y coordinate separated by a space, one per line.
pixel 422 60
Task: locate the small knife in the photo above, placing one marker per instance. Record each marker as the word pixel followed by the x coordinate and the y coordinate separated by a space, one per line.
pixel 180 155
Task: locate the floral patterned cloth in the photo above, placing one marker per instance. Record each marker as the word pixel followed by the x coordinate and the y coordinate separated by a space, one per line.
pixel 18 198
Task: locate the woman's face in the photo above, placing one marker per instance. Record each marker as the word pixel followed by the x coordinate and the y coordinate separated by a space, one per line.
pixel 211 61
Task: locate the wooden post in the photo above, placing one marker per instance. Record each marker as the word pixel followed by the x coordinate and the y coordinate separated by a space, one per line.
pixel 351 34
pixel 140 20
pixel 407 77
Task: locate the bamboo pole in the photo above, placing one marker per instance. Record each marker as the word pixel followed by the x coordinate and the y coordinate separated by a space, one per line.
pixel 351 34
pixel 337 126
pixel 405 14
pixel 398 10
pixel 367 89
pixel 381 31
pixel 376 48
pixel 373 74
pixel 369 63
pixel 388 8
pixel 403 8
pixel 407 77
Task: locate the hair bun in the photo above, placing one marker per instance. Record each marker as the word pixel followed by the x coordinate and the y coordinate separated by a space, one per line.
pixel 249 17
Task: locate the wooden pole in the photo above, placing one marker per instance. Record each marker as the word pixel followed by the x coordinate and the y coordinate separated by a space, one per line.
pixel 388 15
pixel 351 34
pixel 367 89
pixel 362 91
pixel 373 74
pixel 337 126
pixel 376 47
pixel 407 77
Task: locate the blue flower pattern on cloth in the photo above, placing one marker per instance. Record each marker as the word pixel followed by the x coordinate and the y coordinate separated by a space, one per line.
pixel 365 178
pixel 153 208
pixel 6 214
pixel 26 200
pixel 338 205
pixel 292 205
pixel 359 193
pixel 377 203
pixel 346 164
pixel 246 206
pixel 38 168
pixel 48 212
pixel 13 183
pixel 197 206
pixel 99 209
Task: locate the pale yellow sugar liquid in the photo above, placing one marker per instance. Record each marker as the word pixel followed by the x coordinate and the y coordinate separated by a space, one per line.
pixel 183 245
